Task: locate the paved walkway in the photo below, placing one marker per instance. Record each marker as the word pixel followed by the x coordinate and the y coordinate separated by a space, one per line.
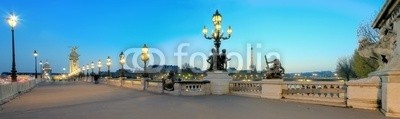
pixel 88 101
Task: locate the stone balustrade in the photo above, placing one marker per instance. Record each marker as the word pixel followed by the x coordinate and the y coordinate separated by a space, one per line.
pixel 319 92
pixel 154 86
pixel 327 93
pixel 134 84
pixel 192 88
pixel 364 93
pixel 245 88
pixel 189 88
pixel 8 91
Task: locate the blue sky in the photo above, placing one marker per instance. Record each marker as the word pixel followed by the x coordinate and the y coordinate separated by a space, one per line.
pixel 309 35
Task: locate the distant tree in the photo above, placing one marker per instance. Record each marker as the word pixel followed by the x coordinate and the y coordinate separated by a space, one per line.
pixel 365 30
pixel 127 72
pixel 362 66
pixel 186 66
pixel 344 68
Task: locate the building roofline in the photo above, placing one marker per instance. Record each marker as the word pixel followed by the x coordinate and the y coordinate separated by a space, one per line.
pixel 384 13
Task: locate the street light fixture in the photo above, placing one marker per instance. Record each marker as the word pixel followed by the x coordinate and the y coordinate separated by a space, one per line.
pixel 63 72
pixel 35 54
pixel 83 70
pixel 218 33
pixel 122 62
pixel 108 66
pixel 92 66
pixel 87 70
pixel 41 69
pixel 13 21
pixel 145 57
pixel 99 65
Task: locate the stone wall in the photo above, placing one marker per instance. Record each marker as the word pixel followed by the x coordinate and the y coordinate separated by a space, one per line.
pixel 9 91
pixel 363 93
pixel 188 88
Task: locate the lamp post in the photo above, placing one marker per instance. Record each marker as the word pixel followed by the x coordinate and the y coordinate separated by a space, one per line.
pixel 63 73
pixel 12 21
pixel 99 65
pixel 35 54
pixel 83 71
pixel 92 67
pixel 218 33
pixel 122 62
pixel 41 68
pixel 108 66
pixel 87 70
pixel 145 57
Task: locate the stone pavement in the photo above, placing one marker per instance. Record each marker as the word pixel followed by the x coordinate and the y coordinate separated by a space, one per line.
pixel 89 101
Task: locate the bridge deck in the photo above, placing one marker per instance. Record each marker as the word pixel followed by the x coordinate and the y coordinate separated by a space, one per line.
pixel 88 101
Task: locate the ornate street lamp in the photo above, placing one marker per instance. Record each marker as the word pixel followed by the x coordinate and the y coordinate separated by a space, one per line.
pixel 99 65
pixel 108 66
pixel 145 57
pixel 87 70
pixel 63 70
pixel 122 62
pixel 83 70
pixel 218 34
pixel 35 54
pixel 41 69
pixel 92 66
pixel 13 21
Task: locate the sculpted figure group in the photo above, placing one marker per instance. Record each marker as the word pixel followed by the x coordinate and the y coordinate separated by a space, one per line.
pixel 217 61
pixel 276 71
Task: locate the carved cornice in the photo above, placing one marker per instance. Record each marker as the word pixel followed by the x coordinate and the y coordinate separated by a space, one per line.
pixel 390 7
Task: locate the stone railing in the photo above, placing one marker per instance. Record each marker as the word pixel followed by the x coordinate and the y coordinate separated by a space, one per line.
pixel 154 86
pixel 192 88
pixel 329 93
pixel 134 84
pixel 113 82
pixel 8 91
pixel 189 88
pixel 246 88
pixel 364 93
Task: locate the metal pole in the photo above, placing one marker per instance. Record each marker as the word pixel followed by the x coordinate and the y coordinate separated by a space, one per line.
pixel 122 70
pixel 41 70
pixel 99 71
pixel 108 71
pixel 35 67
pixel 13 69
pixel 145 70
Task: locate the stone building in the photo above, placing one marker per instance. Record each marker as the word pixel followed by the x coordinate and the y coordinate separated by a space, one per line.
pixel 388 51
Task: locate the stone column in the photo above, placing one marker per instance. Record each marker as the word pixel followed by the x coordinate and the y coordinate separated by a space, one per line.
pixel 144 83
pixel 272 88
pixel 364 93
pixel 177 89
pixel 219 82
pixel 391 95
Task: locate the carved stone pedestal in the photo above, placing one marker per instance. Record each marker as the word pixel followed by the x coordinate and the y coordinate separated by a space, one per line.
pixel 272 88
pixel 219 82
pixel 364 93
pixel 390 95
